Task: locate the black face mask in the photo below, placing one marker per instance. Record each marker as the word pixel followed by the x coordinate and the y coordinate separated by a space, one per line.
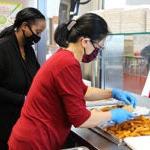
pixel 31 39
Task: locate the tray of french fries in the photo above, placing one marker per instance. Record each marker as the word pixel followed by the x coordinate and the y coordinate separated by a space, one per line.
pixel 138 126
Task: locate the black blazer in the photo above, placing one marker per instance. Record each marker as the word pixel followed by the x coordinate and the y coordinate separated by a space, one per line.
pixel 15 79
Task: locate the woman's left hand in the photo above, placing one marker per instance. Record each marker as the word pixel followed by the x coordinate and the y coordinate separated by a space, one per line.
pixel 126 97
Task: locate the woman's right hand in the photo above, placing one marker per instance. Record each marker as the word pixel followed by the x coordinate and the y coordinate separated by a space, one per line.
pixel 120 115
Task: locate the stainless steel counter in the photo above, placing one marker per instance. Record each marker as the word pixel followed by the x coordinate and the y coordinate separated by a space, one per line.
pixel 94 141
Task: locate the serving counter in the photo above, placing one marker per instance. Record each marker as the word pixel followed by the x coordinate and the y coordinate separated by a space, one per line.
pixel 95 141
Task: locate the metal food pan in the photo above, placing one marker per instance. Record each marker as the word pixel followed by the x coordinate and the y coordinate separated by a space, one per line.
pixel 119 142
pixel 107 135
pixel 100 130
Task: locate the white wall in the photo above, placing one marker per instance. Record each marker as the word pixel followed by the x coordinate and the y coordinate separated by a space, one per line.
pixel 93 5
pixel 116 4
pixel 124 3
pixel 138 2
pixel 53 8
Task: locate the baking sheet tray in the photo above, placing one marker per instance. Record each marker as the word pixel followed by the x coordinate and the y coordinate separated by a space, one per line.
pixel 120 142
pixel 107 135
pixel 100 130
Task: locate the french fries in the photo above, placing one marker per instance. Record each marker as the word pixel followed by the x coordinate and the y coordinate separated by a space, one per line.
pixel 138 126
pixel 126 107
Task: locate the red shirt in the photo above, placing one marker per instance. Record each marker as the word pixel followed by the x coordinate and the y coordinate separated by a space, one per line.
pixel 55 102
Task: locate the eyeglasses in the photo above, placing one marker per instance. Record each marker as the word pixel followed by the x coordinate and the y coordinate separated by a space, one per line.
pixel 99 45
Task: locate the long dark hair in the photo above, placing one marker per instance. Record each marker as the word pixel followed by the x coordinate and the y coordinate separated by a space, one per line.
pixel 89 25
pixel 29 15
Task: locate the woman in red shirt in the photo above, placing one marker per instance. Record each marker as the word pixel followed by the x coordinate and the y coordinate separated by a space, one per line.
pixel 56 99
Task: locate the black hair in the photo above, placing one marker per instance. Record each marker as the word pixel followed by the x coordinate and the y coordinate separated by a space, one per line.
pixel 29 15
pixel 88 25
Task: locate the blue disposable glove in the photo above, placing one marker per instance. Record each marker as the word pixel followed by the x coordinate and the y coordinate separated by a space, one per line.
pixel 119 115
pixel 126 97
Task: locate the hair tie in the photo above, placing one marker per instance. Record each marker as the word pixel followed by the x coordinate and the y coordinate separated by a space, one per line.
pixel 71 24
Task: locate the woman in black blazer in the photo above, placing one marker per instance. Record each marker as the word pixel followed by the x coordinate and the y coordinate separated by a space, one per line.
pixel 18 65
